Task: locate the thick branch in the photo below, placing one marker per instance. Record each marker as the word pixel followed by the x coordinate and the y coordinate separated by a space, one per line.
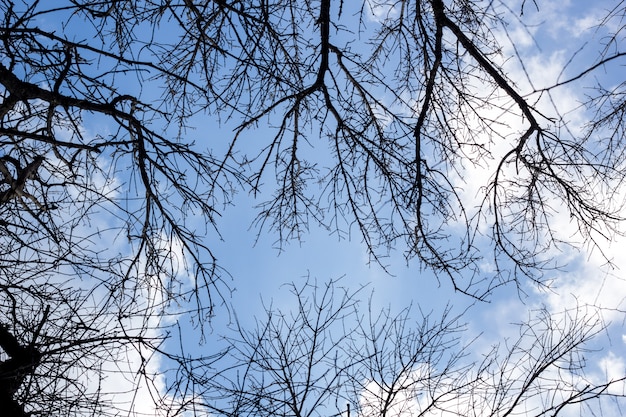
pixel 489 68
pixel 23 90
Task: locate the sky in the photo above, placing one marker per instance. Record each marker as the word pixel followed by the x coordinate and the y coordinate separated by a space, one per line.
pixel 259 270
pixel 323 256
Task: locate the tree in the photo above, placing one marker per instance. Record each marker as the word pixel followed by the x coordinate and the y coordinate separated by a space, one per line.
pixel 329 359
pixel 101 234
pixel 95 234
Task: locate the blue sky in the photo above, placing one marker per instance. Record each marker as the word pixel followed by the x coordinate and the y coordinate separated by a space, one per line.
pixel 321 254
pixel 259 269
pixel 586 279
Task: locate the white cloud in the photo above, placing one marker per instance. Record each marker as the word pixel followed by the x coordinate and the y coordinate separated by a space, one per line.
pixel 614 368
pixel 423 393
pixel 381 11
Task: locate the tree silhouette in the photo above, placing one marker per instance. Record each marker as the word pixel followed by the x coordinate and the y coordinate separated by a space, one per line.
pixel 325 354
pixel 108 206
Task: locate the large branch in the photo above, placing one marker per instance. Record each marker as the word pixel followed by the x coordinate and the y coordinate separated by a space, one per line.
pixel 22 91
pixel 491 70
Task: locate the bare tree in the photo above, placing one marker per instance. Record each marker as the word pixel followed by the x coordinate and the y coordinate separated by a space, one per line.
pixel 291 363
pixel 329 359
pixel 99 232
pixel 108 207
pixel 386 115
